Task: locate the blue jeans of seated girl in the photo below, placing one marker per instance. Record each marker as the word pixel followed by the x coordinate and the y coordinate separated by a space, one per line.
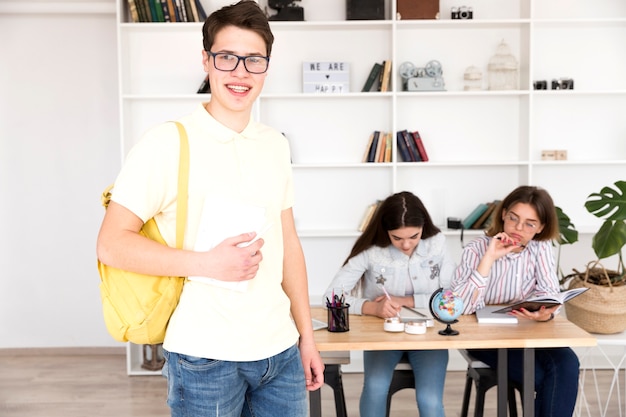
pixel 556 377
pixel 199 387
pixel 429 370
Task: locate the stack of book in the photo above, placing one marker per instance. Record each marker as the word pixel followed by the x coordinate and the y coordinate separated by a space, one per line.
pixel 379 78
pixel 481 217
pixel 166 11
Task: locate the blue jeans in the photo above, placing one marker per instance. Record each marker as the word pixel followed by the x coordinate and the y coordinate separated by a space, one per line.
pixel 429 370
pixel 199 387
pixel 556 377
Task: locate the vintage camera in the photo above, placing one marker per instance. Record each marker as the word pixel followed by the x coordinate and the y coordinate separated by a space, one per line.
pixel 563 84
pixel 461 13
pixel 287 10
pixel 428 78
pixel 540 85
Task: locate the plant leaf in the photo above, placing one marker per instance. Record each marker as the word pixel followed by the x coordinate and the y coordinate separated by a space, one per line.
pixel 608 202
pixel 609 239
pixel 567 231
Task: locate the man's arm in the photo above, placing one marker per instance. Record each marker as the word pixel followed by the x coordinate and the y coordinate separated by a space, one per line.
pixel 121 246
pixel 296 287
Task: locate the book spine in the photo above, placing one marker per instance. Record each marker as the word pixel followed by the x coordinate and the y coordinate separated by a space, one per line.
pixel 368 147
pixel 388 147
pixel 141 10
pixel 194 10
pixel 380 151
pixel 178 4
pixel 172 10
pixel 410 144
pixel 386 80
pixel 402 149
pixel 201 13
pixel 158 10
pixel 483 217
pixel 372 77
pixel 372 155
pixel 420 146
pixel 151 13
pixel 166 11
pixel 188 13
pixel 474 215
pixel 132 9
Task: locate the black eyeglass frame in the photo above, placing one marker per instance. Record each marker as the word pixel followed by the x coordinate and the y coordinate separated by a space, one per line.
pixel 239 59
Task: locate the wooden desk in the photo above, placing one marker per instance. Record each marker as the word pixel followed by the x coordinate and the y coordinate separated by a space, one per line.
pixel 366 333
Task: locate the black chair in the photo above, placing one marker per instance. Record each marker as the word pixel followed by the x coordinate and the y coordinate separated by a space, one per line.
pixel 484 378
pixel 332 377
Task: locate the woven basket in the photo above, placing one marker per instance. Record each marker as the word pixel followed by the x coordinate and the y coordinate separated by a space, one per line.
pixel 602 308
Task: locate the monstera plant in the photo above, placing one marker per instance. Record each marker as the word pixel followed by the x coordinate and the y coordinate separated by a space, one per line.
pixel 610 204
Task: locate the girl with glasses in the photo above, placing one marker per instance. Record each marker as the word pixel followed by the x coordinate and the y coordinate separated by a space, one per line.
pixel 512 262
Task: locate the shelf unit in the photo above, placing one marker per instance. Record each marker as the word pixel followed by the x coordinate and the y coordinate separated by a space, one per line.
pixel 481 144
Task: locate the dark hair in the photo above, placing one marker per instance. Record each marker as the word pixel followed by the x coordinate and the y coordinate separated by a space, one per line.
pixel 403 209
pixel 540 200
pixel 245 14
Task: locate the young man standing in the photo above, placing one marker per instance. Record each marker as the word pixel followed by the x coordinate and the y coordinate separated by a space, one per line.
pixel 231 347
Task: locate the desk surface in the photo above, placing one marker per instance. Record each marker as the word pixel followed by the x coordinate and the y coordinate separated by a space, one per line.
pixel 366 333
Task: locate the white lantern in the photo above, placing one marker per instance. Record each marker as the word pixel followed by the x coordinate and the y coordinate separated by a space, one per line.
pixel 473 78
pixel 503 69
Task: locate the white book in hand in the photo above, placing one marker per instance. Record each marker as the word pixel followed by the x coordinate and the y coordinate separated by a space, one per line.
pixel 489 315
pixel 535 303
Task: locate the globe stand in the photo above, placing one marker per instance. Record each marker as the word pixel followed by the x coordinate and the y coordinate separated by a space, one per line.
pixel 449 331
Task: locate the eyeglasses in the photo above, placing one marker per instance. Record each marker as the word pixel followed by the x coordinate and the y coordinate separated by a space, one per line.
pixel 528 226
pixel 254 64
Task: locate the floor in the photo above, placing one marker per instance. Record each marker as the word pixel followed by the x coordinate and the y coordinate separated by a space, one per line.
pixel 39 384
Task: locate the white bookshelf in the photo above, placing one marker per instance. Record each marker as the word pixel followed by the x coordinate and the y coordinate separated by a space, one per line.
pixel 481 144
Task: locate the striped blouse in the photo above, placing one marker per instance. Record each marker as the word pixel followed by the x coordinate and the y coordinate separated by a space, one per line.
pixel 512 278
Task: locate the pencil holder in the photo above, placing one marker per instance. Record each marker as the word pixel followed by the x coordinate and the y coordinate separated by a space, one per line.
pixel 338 318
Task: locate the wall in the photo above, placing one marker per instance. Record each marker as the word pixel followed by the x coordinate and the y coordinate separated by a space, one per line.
pixel 59 147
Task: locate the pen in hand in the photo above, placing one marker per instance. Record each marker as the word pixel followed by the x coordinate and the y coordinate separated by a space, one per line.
pixel 521 245
pixel 389 298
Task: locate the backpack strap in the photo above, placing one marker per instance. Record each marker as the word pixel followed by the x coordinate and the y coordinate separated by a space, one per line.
pixel 183 186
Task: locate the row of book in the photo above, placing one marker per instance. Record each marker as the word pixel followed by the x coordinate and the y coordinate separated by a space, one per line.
pixel 410 147
pixel 482 216
pixel 379 147
pixel 166 11
pixel 379 78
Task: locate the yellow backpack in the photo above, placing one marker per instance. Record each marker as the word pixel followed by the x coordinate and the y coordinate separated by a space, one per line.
pixel 137 307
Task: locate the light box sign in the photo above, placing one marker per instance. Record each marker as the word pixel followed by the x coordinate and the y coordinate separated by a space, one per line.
pixel 326 77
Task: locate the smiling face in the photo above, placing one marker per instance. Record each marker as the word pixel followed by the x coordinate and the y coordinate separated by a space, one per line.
pixel 521 222
pixel 405 239
pixel 233 92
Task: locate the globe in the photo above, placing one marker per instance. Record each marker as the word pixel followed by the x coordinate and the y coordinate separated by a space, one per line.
pixel 446 307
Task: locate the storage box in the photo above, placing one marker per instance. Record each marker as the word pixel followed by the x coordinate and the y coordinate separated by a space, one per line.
pixel 418 9
pixel 365 9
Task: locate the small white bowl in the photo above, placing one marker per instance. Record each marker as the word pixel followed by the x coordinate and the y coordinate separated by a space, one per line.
pixel 393 325
pixel 415 327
